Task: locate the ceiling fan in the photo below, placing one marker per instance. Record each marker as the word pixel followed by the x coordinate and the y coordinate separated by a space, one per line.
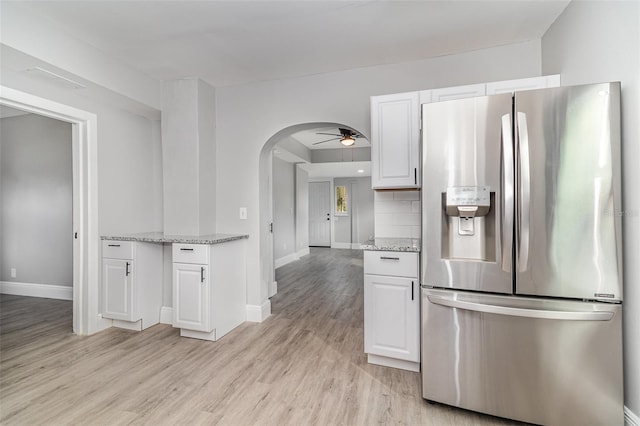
pixel 347 137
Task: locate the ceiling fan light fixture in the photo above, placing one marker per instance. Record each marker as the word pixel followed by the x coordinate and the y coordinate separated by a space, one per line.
pixel 347 141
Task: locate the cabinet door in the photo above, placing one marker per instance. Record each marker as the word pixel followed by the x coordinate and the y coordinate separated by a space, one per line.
pixel 392 317
pixel 511 86
pixel 458 92
pixel 117 289
pixel 395 141
pixel 191 297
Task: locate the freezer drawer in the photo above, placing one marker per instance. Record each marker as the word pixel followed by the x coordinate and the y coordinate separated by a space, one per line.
pixel 536 360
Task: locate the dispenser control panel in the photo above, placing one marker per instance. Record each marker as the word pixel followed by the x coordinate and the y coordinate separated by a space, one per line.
pixel 468 201
pixel 468 196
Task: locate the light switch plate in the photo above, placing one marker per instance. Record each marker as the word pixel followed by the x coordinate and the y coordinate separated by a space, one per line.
pixel 243 213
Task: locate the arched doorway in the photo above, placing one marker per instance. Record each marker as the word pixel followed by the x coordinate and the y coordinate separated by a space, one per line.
pixel 266 206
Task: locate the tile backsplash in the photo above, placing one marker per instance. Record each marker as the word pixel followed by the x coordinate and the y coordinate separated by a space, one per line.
pixel 397 214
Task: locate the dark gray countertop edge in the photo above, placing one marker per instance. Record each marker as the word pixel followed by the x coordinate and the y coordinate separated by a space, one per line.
pixel 158 237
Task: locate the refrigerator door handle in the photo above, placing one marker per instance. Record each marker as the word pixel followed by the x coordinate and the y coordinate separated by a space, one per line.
pixel 525 192
pixel 508 193
pixel 523 312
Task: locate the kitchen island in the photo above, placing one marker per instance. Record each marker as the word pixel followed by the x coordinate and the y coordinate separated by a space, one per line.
pixel 208 282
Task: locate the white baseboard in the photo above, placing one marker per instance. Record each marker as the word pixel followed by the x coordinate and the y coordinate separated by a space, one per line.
pixel 273 288
pixel 356 246
pixel 341 245
pixel 303 252
pixel 166 315
pixel 259 313
pixel 394 363
pixel 292 257
pixel 630 418
pixel 49 291
pixel 255 313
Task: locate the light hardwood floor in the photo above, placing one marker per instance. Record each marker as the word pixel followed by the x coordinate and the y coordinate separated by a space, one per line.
pixel 303 365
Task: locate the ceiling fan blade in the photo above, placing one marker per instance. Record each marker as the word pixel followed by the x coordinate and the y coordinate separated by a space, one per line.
pixel 328 140
pixel 328 134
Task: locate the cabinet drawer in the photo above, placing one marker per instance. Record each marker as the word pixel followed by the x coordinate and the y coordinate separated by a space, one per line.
pixel 392 263
pixel 191 253
pixel 117 249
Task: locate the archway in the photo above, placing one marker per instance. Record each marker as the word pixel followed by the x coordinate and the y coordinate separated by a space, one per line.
pixel 267 268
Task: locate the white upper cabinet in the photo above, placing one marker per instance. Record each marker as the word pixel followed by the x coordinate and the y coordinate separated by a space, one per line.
pixel 458 92
pixel 395 141
pixel 523 84
pixel 395 127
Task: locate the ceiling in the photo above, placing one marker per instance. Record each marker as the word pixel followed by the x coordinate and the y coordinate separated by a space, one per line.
pixel 237 42
pixel 310 137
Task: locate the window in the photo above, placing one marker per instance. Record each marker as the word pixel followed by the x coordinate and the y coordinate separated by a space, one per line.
pixel 341 200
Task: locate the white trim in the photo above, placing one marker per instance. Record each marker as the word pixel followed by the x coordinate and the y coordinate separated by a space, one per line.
pixel 356 246
pixel 49 291
pixel 630 418
pixel 303 252
pixel 86 249
pixel 273 288
pixel 127 325
pixel 394 363
pixel 259 313
pixel 341 245
pixel 202 335
pixel 291 257
pixel 166 315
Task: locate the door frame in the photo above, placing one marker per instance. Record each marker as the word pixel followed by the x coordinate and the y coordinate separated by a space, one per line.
pixel 86 247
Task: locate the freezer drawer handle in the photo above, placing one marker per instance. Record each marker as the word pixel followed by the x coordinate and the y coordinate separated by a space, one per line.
pixel 389 258
pixel 523 312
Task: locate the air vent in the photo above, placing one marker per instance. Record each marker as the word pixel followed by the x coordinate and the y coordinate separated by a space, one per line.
pixel 50 76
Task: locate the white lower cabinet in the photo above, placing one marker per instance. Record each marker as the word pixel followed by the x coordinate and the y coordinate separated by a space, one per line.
pixel 209 288
pixel 131 283
pixel 392 309
pixel 117 282
pixel 190 295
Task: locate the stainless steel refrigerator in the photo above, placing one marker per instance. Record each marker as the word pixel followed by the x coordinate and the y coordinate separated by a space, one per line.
pixel 521 255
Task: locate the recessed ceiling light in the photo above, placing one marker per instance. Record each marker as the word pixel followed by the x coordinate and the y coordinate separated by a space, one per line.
pixel 360 171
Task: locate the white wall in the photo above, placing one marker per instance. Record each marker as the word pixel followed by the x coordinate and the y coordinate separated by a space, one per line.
pixel 356 227
pixel 284 228
pixel 129 155
pixel 188 160
pixel 595 42
pixel 302 211
pixel 36 200
pixel 341 97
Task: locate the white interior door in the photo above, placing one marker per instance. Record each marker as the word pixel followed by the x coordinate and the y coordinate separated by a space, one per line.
pixel 320 214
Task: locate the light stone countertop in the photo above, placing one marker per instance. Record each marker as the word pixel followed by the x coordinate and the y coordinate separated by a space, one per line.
pixel 392 244
pixel 160 237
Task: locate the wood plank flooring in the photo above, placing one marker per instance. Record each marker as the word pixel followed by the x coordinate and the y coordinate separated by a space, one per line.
pixel 303 366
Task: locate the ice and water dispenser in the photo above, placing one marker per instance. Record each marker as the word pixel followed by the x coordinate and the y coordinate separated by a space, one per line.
pixel 468 223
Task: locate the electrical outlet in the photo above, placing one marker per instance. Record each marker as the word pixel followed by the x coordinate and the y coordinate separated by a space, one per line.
pixel 14 273
pixel 243 213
